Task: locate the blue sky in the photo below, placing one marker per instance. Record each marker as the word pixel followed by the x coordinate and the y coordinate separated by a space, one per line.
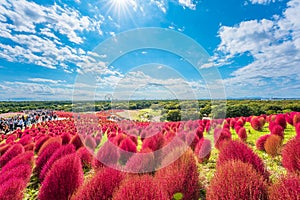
pixel 252 46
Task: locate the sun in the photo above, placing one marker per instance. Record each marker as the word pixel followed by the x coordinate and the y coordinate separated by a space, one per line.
pixel 119 8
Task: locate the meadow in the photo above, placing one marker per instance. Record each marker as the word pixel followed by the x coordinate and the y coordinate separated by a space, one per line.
pixel 87 156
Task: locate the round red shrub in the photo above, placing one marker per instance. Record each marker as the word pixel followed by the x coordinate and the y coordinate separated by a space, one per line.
pixel 86 157
pixel 21 159
pixel 22 171
pixel 27 139
pixel 221 136
pixel 57 154
pixel 280 120
pixel 154 142
pixel 287 187
pixel 278 130
pixel 236 150
pixel 29 147
pixel 291 155
pixel 90 142
pixel 256 124
pixel 76 141
pixel 140 187
pixel 4 148
pixel 13 189
pixel 128 147
pixel 11 138
pixel 236 180
pixel 203 150
pixel 297 128
pixel 101 186
pixel 66 138
pixel 199 132
pixel 273 144
pixel 141 162
pixel 63 179
pixel 108 154
pixel 12 152
pixel 180 176
pixel 260 142
pixel 39 143
pixel 45 155
pixel 296 118
pixel 242 134
pixel 48 142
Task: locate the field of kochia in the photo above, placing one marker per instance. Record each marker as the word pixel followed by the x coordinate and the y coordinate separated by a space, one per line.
pixel 90 157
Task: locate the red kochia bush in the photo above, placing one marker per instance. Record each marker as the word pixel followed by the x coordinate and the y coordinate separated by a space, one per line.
pixel 59 153
pixel 90 142
pixel 21 171
pixel 154 142
pixel 203 150
pixel 140 187
pixel 180 176
pixel 39 143
pixel 66 138
pixel 108 154
pixel 273 144
pixel 13 189
pixel 280 120
pixel 86 157
pixel 11 138
pixel 256 124
pixel 236 150
pixel 4 148
pixel 237 180
pixel 242 134
pixel 101 185
pixel 291 155
pixel 142 162
pixel 277 130
pixel 48 142
pixel 45 155
pixel 63 179
pixel 297 128
pixel 296 118
pixel 260 142
pixel 21 159
pixel 221 136
pixel 129 147
pixel 25 140
pixel 13 151
pixel 287 187
pixel 29 147
pixel 76 141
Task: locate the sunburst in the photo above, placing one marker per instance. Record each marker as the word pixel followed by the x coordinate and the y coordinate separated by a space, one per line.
pixel 120 8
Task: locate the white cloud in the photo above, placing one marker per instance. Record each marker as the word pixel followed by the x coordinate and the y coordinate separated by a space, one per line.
pixel 187 3
pixel 274 46
pixel 264 2
pixel 25 16
pixel 43 80
pixel 37 33
pixel 141 85
pixel 161 4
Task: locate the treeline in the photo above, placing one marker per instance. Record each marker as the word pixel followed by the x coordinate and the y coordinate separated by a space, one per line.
pixel 171 110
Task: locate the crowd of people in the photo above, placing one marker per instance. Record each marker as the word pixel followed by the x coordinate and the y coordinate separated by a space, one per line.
pixel 26 119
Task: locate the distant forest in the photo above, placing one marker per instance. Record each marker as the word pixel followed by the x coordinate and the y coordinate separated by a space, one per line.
pixel 170 109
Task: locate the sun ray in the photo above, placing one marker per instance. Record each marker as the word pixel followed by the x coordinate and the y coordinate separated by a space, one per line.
pixel 120 8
